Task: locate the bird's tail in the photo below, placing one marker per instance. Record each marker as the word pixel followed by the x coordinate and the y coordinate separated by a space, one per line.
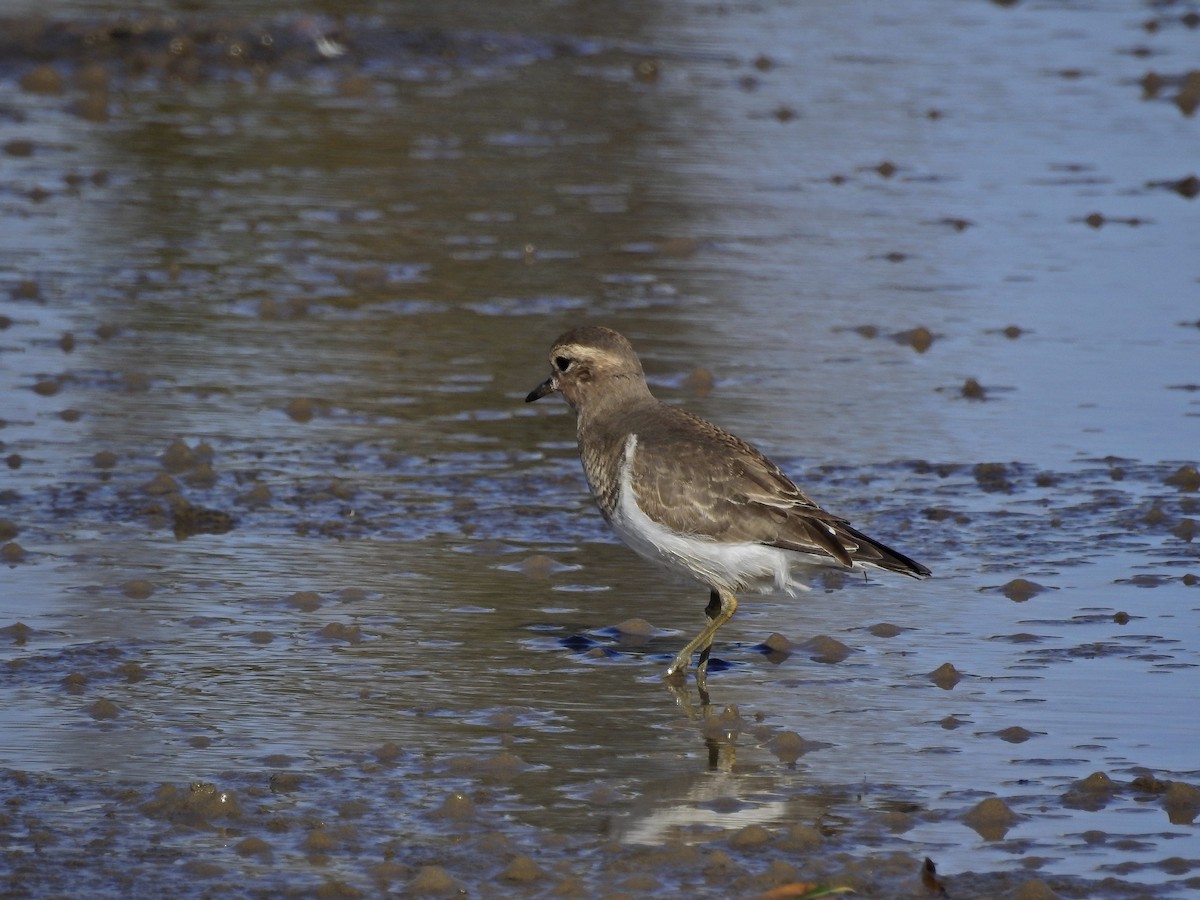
pixel 870 552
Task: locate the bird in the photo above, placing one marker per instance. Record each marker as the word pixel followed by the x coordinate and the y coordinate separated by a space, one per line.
pixel 689 495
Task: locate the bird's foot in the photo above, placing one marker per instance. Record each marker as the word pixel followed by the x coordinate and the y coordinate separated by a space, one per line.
pixel 679 666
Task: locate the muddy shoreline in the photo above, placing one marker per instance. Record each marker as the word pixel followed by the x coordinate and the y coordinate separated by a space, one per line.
pixel 298 597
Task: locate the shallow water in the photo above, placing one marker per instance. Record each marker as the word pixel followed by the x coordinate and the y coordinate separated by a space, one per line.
pixel 373 606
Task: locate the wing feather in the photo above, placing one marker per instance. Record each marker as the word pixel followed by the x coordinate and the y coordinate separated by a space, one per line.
pixel 696 478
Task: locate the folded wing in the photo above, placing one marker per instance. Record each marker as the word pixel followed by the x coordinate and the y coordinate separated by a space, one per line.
pixel 721 487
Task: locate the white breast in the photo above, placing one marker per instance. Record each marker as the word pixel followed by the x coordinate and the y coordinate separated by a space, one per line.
pixel 732 566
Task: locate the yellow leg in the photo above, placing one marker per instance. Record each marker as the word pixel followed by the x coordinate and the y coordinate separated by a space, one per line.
pixel 721 607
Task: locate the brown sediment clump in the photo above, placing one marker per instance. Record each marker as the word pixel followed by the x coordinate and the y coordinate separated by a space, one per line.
pixel 886 630
pixel 195 807
pixel 189 520
pixel 539 566
pixel 339 631
pixel 945 676
pixel 992 476
pixel 1185 478
pixel 43 79
pixel 177 457
pixel 776 648
pixel 1021 589
pixel 789 747
pixel 300 409
pixel 92 77
pixel 19 147
pixel 132 672
pixel 825 649
pixel 941 514
pixel 74 683
pixel 253 846
pixel 919 338
pixel 636 628
pixel 991 818
pixel 522 870
pixel 292 308
pixel 1188 98
pixel 103 709
pixel 457 807
pixel 356 84
pixel 503 765
pixel 12 553
pixel 1091 793
pixel 259 495
pixel 8 530
pixel 26 289
pixel 92 106
pixel 1155 515
pixel 1034 889
pixel 973 390
pixel 135 382
pixel 105 459
pixel 18 632
pixel 203 475
pixel 801 838
pixel 305 601
pixel 1182 802
pixel 434 881
pixel 1188 186
pixel 318 843
pixel 724 727
pixel 777 643
pixel 285 782
pixel 1015 734
pixel 646 70
pixel 137 589
pixel 750 837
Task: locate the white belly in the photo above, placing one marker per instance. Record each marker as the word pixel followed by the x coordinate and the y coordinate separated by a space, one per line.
pixel 734 567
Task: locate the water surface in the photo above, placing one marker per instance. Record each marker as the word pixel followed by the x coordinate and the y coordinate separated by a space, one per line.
pixel 278 521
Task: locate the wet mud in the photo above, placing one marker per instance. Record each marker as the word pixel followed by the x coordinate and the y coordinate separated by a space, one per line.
pixel 298 598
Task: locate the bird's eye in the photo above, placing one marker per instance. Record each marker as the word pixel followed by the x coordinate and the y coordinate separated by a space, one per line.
pixel 562 363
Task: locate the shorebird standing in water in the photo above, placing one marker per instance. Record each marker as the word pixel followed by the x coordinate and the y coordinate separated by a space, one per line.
pixel 687 494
